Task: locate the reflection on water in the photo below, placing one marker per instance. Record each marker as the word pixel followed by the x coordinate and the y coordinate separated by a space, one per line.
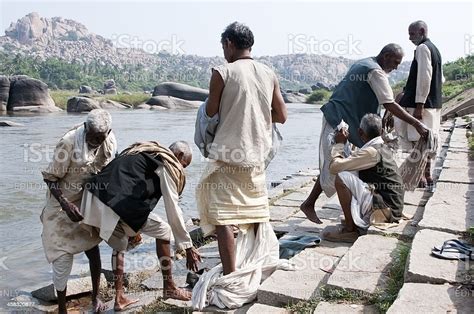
pixel 26 150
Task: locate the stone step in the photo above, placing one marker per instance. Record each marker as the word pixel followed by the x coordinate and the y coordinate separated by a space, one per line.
pixel 210 258
pixel 259 308
pixel 428 298
pixel 450 209
pixel 422 267
pixel 281 213
pixel 290 287
pixel 145 298
pixel 342 308
pixel 75 287
pixel 364 268
pixel 406 228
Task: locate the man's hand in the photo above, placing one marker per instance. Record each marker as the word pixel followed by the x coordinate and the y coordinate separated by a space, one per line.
pixel 418 113
pixel 192 259
pixel 421 129
pixel 72 211
pixel 341 136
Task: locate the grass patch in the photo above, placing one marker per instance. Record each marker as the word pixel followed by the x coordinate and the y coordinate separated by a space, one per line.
pixel 60 97
pixel 135 99
pixel 384 299
pixel 303 306
pixel 160 306
pixel 470 143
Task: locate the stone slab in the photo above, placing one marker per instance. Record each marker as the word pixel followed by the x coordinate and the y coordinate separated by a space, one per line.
pixel 422 267
pixel 450 208
pixel 26 303
pixel 210 258
pixel 215 309
pixel 281 213
pixel 416 297
pixel 259 308
pixel 365 266
pixel 75 287
pixel 458 156
pixel 297 196
pixel 418 198
pixel 457 176
pixel 466 164
pixel 341 308
pixel 288 185
pixel 287 287
pixel 287 202
pixel 298 226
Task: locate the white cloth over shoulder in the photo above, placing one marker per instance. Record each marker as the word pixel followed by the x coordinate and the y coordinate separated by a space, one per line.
pixel 205 131
pixel 257 257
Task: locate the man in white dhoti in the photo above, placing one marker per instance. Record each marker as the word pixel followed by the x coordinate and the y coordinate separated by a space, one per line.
pixel 81 152
pixel 134 182
pixel 368 184
pixel 232 190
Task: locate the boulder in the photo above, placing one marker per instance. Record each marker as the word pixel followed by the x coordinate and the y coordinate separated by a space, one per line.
pixel 169 102
pixel 182 91
pixel 81 104
pixel 10 123
pixel 110 91
pixel 294 97
pixel 111 104
pixel 4 92
pixel 84 89
pixel 303 91
pixel 29 92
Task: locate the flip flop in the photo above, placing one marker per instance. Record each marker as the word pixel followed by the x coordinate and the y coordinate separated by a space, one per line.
pixel 453 244
pixel 453 252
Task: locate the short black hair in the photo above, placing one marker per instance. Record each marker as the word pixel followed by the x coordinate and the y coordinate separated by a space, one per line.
pixel 239 34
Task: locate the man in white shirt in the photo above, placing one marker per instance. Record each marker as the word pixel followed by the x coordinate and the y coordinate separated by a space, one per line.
pixel 422 93
pixel 120 200
pixel 363 90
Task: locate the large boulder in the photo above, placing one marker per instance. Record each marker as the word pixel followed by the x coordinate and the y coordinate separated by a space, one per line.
pixel 169 102
pixel 81 104
pixel 84 89
pixel 182 91
pixel 29 94
pixel 4 92
pixel 110 88
pixel 111 104
pixel 293 97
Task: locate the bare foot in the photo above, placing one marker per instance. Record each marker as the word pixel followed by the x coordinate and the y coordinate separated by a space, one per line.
pixel 177 293
pixel 121 302
pixel 308 210
pixel 98 306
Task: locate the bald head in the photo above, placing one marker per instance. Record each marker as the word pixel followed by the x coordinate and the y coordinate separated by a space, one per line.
pixel 390 57
pixel 183 152
pixel 418 32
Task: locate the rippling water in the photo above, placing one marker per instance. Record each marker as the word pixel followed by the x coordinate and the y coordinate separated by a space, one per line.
pixel 25 151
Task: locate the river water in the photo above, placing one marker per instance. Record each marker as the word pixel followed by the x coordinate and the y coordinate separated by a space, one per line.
pixel 26 150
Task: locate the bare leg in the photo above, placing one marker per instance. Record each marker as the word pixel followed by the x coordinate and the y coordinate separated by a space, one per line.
pixel 345 198
pixel 225 241
pixel 308 205
pixel 62 309
pixel 121 301
pixel 95 267
pixel 169 287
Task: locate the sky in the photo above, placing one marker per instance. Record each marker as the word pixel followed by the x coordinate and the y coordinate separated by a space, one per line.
pixel 352 29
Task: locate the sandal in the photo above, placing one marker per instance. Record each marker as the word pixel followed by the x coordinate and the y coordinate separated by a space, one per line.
pixel 453 250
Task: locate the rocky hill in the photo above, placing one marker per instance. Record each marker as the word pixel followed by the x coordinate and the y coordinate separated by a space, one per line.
pixel 42 39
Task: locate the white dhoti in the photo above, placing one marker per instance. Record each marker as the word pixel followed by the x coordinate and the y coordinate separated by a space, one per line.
pixel 361 203
pixel 231 195
pixel 326 179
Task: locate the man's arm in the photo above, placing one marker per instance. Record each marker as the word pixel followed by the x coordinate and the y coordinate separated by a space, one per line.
pixel 279 111
pixel 423 79
pixel 216 86
pixel 56 170
pixel 174 215
pixel 400 113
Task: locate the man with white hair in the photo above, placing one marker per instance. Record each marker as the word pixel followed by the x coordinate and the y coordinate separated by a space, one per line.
pixel 135 181
pixel 368 184
pixel 82 151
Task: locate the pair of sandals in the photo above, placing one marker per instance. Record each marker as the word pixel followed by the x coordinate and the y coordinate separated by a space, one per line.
pixel 454 250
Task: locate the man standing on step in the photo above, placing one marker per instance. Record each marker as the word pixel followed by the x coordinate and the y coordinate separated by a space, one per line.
pixel 422 92
pixel 363 90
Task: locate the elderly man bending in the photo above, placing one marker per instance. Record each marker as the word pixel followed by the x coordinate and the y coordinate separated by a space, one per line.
pixel 135 181
pixel 82 151
pixel 376 193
